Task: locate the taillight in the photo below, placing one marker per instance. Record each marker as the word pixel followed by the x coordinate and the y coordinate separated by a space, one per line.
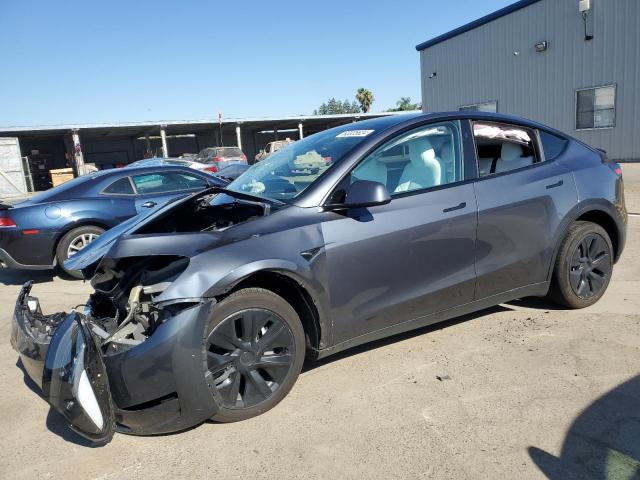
pixel 244 157
pixel 617 169
pixel 7 222
pixel 217 158
pixel 212 168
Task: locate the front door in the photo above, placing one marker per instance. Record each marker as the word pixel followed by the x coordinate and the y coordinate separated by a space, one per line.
pixel 157 188
pixel 414 256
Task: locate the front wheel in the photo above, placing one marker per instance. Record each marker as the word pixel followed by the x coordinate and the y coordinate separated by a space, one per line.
pixel 583 267
pixel 74 241
pixel 253 352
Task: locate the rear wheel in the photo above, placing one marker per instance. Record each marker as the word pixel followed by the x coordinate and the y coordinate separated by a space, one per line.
pixel 74 241
pixel 583 267
pixel 254 351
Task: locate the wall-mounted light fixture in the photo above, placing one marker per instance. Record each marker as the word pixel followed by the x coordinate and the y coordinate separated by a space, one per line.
pixel 516 53
pixel 584 7
pixel 433 75
pixel 541 46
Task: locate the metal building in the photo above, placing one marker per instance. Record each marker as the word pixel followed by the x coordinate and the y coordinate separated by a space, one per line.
pixel 572 64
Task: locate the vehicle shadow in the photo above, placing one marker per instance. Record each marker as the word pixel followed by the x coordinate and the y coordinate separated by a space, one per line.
pixel 603 442
pixel 538 303
pixel 55 422
pixel 312 364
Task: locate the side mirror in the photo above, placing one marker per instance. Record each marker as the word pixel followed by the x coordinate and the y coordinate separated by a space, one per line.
pixel 361 194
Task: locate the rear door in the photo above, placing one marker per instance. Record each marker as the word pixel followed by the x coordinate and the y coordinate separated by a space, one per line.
pixel 522 198
pixel 414 256
pixel 157 188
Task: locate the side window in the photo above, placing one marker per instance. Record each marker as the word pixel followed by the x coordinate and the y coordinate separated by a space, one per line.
pixel 120 187
pixel 502 147
pixel 166 182
pixel 191 181
pixel 552 145
pixel 422 158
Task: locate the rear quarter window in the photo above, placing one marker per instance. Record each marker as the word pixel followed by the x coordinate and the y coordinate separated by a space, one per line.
pixel 120 187
pixel 552 145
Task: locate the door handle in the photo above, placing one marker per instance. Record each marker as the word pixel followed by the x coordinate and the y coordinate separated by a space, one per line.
pixel 149 204
pixel 457 207
pixel 559 183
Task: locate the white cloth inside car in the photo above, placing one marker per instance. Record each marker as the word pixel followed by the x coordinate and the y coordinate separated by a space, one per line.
pixel 423 170
pixel 511 158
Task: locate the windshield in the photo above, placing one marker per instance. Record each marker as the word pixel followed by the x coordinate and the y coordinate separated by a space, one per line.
pixel 288 172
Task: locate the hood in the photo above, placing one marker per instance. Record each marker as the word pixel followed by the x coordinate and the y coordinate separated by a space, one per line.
pixel 93 253
pixel 186 215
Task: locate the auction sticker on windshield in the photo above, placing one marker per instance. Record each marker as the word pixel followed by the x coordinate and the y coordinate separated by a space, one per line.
pixel 354 133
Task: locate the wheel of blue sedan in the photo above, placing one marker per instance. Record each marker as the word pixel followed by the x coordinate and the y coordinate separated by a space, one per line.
pixel 254 351
pixel 74 241
pixel 584 266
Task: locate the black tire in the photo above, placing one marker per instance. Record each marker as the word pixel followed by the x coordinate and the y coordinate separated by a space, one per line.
pixel 583 267
pixel 62 249
pixel 235 374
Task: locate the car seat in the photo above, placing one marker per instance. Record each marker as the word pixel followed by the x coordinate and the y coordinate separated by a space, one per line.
pixel 511 157
pixel 423 170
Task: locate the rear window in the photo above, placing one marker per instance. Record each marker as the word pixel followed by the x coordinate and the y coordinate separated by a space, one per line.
pixel 229 152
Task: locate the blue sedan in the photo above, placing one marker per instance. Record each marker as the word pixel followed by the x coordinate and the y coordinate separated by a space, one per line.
pixel 44 231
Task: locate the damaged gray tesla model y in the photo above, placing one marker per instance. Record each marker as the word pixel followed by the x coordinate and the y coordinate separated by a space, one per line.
pixel 207 308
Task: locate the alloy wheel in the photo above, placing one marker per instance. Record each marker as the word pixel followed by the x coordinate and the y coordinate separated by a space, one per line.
pixel 79 242
pixel 590 266
pixel 249 355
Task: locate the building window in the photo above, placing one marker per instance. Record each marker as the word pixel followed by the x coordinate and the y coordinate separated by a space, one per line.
pixel 480 107
pixel 596 108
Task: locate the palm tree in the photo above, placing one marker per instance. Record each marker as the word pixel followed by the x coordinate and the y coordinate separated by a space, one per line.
pixel 365 98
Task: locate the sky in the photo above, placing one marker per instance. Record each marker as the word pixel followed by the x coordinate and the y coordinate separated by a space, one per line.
pixel 70 62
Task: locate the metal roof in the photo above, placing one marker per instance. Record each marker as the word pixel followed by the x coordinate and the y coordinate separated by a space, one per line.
pixel 477 23
pixel 175 127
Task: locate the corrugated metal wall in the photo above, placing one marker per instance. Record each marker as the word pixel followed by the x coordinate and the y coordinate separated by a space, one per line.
pixel 480 66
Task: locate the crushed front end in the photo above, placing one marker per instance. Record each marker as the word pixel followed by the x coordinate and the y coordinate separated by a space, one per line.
pixel 127 363
pixel 134 359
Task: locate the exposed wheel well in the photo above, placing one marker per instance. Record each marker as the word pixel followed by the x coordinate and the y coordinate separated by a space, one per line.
pixel 295 295
pixel 605 221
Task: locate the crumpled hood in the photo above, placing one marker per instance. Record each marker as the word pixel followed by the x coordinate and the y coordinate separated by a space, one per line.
pixel 93 253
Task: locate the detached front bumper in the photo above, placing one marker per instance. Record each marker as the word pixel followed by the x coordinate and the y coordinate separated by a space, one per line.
pixel 155 387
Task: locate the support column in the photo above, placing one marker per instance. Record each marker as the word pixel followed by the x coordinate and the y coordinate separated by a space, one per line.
pixel 238 137
pixel 148 144
pixel 163 135
pixel 275 133
pixel 78 158
pixel 300 134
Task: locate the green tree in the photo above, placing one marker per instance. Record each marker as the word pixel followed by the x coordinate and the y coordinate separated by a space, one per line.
pixel 336 107
pixel 404 104
pixel 365 98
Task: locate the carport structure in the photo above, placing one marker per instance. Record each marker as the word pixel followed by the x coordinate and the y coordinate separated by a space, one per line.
pixel 116 144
